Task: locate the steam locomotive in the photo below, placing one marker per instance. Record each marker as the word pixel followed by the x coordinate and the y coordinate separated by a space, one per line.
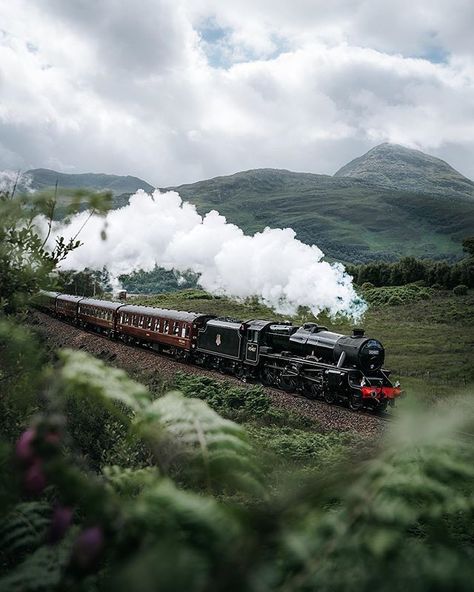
pixel 309 359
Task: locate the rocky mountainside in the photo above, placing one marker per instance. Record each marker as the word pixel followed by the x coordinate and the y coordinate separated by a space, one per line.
pixel 397 167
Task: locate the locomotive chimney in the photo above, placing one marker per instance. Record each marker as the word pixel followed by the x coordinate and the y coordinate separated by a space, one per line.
pixel 356 332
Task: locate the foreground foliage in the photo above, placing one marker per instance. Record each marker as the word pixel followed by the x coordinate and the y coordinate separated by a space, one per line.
pixel 105 487
pixel 188 507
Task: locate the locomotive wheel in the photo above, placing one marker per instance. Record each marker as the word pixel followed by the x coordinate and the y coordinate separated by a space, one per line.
pixel 267 377
pixel 312 390
pixel 355 403
pixel 288 384
pixel 329 397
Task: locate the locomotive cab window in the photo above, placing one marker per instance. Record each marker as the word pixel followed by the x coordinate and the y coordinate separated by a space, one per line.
pixel 252 336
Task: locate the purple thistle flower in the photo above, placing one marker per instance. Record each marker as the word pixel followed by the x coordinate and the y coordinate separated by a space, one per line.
pixel 24 447
pixel 88 548
pixel 60 523
pixel 34 479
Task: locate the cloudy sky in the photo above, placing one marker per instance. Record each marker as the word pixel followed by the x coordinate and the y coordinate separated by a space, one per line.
pixel 180 90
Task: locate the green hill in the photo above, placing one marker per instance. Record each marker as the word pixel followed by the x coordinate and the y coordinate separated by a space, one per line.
pixel 350 219
pixel 388 203
pixel 397 167
pixel 46 178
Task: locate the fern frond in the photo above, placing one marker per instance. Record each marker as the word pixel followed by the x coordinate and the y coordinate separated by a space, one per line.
pixel 129 482
pixel 83 374
pixel 42 570
pixel 164 510
pixel 188 429
pixel 24 528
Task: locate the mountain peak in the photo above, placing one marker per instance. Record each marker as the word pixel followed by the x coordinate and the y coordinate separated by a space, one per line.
pixel 400 167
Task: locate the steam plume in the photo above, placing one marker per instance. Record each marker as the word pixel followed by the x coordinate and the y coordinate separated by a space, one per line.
pixel 161 229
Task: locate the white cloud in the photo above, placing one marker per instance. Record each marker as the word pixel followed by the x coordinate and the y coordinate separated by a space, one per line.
pixel 124 88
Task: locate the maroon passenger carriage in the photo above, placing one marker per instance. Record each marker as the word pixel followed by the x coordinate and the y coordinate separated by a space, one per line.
pixel 171 331
pixel 99 315
pixel 66 306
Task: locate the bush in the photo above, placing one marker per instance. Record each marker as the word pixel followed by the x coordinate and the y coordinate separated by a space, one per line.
pixel 238 403
pixel 460 290
pixel 396 295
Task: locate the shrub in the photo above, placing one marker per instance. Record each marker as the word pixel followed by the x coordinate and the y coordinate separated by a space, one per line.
pixel 396 295
pixel 395 300
pixel 460 290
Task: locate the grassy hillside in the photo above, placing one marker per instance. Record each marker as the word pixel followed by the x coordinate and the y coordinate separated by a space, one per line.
pixel 120 187
pixel 46 178
pixel 389 203
pixel 428 342
pixel 349 219
pixel 397 167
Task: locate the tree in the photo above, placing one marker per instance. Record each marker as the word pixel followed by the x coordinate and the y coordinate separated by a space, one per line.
pixel 26 260
pixel 468 246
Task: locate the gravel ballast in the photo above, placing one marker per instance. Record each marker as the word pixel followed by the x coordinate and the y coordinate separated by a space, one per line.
pixel 151 368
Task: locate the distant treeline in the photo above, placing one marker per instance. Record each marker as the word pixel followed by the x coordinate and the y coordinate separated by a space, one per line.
pixel 409 270
pixel 158 281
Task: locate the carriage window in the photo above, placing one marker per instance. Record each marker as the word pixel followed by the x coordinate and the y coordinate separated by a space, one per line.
pixel 148 322
pixel 166 327
pixel 175 328
pixel 183 331
pixel 140 322
pixel 135 320
pixel 188 330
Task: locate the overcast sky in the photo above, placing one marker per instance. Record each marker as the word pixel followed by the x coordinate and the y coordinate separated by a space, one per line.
pixel 175 91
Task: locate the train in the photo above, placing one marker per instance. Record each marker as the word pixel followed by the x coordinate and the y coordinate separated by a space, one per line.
pixel 307 359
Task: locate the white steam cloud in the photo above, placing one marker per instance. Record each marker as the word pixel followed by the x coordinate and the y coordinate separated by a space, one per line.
pixel 161 229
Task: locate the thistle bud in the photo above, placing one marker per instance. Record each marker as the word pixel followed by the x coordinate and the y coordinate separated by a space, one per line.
pixel 60 523
pixel 34 479
pixel 24 451
pixel 88 548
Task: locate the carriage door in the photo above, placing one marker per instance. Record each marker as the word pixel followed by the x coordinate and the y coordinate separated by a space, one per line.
pixel 251 353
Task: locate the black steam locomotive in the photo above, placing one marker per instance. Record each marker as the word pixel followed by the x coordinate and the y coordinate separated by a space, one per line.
pixel 310 359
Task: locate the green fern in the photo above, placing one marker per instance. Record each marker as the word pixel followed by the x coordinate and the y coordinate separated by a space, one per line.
pixel 41 570
pixel 164 510
pixel 84 375
pixel 182 430
pixel 129 482
pixel 24 528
